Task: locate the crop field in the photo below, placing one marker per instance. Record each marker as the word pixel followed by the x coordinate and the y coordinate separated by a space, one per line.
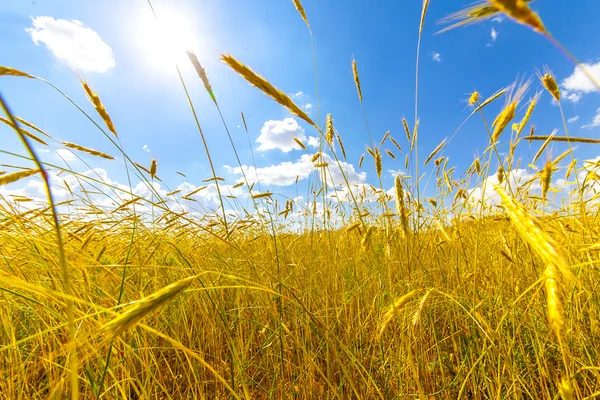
pixel 460 277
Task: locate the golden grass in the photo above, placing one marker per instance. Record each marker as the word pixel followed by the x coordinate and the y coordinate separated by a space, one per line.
pixel 266 87
pixel 25 132
pixel 14 72
pixel 99 106
pixel 87 150
pixel 329 131
pixel 267 296
pixel 5 179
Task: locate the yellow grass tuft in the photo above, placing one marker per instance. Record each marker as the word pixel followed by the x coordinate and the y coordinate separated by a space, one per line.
pixel 14 72
pixel 549 83
pixel 474 98
pixel 387 134
pixel 435 151
pixel 329 131
pixel 406 129
pixel 396 143
pixel 543 147
pixel 153 168
pixel 5 179
pixel 262 195
pixel 342 149
pixel 97 103
pixel 266 87
pixel 393 311
pixel 356 80
pixel 423 12
pixel 520 11
pixel 87 150
pixel 299 143
pixel 509 111
pixel 129 318
pixel 544 246
pixel 527 116
pixel 301 11
pixel 378 164
pixel 25 132
pixel 546 178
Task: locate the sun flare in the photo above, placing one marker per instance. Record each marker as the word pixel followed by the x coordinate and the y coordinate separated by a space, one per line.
pixel 164 39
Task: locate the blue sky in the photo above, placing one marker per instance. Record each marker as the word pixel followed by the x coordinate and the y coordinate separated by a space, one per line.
pixel 115 47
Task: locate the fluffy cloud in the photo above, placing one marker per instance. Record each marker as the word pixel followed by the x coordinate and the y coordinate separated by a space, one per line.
pixel 285 173
pixel 516 180
pixel 66 155
pixel 394 173
pixel 573 119
pixel 70 41
pixel 437 57
pixel 579 84
pixel 313 141
pixel 595 121
pixel 280 135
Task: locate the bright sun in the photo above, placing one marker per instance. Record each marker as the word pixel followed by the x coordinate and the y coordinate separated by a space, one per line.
pixel 167 39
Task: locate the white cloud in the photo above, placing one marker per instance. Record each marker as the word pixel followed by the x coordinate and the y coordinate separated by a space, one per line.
pixel 307 106
pixel 578 83
pixel 595 121
pixel 280 135
pixel 313 141
pixel 571 96
pixel 493 34
pixel 437 57
pixel 516 180
pixel 573 119
pixel 66 155
pixel 70 41
pixel 498 19
pixel 145 147
pixel 394 173
pixel 297 94
pixel 285 173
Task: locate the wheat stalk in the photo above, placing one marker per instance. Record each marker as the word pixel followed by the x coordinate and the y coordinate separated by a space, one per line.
pixel 5 179
pixel 128 319
pixel 266 87
pixel 87 150
pixel 14 72
pixel 100 109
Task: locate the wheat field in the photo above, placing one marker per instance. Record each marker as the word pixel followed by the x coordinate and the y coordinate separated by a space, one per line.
pixel 389 294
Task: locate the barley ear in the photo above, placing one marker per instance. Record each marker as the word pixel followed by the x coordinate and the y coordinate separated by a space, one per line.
pixel 520 11
pixel 266 87
pixel 129 318
pixel 5 179
pixel 393 311
pixel 99 106
pixel 301 11
pixel 356 80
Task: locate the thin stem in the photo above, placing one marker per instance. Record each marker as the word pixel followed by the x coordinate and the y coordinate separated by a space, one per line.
pixel 73 360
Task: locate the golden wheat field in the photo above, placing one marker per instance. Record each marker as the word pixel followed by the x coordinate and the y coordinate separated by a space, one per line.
pixel 396 293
